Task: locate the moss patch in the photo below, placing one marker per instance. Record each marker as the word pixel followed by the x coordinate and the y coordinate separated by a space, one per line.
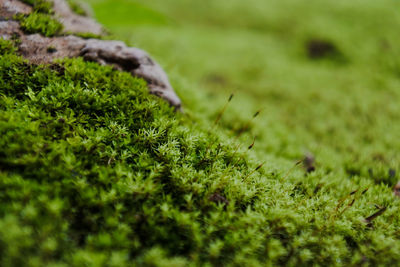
pixel 77 8
pixel 41 6
pixel 92 166
pixel 40 23
pixel 95 171
pixel 41 19
pixel 88 35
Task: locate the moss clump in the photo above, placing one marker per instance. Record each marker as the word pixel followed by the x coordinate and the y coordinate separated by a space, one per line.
pixel 41 19
pixel 77 8
pixel 40 23
pixel 41 6
pixel 88 35
pixel 7 47
pixel 95 170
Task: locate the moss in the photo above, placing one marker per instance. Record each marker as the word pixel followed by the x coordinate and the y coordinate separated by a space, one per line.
pixel 77 8
pixel 42 6
pixel 40 23
pixel 41 19
pixel 94 168
pixel 7 47
pixel 88 35
pixel 95 171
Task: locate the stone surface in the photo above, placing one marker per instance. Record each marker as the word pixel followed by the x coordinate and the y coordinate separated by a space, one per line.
pixel 9 8
pixel 133 60
pixel 9 29
pixel 39 49
pixel 74 23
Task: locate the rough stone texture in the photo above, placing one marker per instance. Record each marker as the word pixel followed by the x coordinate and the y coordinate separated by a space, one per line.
pixel 133 60
pixel 39 49
pixel 74 23
pixel 8 8
pixel 9 29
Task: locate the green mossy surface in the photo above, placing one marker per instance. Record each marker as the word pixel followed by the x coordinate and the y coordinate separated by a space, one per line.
pixel 88 35
pixel 77 8
pixel 41 23
pixel 95 171
pixel 42 6
pixel 41 20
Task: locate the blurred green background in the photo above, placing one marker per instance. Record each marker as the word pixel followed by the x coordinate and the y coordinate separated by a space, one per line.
pixel 326 74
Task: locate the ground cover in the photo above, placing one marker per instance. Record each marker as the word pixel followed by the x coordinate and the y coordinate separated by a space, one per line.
pixel 96 171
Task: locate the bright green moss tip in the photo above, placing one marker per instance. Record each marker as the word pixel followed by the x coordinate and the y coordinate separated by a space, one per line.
pixel 40 23
pixel 6 47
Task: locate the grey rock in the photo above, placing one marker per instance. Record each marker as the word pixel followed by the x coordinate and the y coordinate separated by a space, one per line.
pixel 135 61
pixel 74 23
pixel 9 29
pixel 9 8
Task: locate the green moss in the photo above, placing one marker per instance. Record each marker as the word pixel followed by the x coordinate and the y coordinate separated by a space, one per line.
pixel 41 19
pixel 95 171
pixel 77 8
pixel 40 23
pixel 7 47
pixel 42 6
pixel 88 35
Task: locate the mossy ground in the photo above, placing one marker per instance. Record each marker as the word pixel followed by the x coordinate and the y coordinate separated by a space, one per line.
pixel 95 171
